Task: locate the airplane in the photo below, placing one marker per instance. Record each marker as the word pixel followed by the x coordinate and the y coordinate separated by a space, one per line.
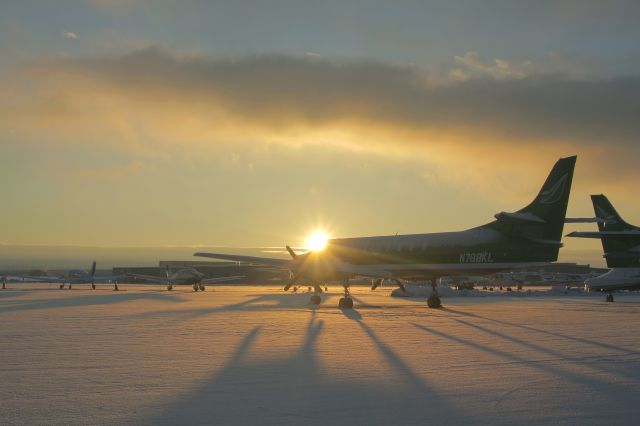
pixel 528 237
pixel 78 276
pixel 621 246
pixel 186 276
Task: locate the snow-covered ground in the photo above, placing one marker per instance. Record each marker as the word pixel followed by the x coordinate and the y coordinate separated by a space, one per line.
pixel 256 355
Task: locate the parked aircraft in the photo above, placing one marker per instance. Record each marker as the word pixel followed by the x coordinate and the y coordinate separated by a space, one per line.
pixel 525 238
pixel 186 276
pixel 621 245
pixel 78 276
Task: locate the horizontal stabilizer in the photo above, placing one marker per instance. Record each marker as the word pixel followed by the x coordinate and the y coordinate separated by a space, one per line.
pixel 283 263
pixel 584 220
pixel 604 234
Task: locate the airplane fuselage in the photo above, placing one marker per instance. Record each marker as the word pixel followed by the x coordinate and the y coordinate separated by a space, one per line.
pixel 475 251
pixel 615 279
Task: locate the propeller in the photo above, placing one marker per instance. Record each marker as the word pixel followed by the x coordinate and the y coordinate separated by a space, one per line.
pixel 402 288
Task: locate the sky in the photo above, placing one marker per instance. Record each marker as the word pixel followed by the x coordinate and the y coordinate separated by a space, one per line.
pixel 253 123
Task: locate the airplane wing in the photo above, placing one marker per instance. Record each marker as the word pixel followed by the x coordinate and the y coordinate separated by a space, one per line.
pixel 604 234
pixel 148 278
pixel 44 279
pixel 221 279
pixel 283 263
pixel 108 279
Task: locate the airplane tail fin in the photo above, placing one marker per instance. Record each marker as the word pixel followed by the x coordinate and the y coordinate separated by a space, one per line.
pixel 620 244
pixel 605 210
pixel 542 220
pixel 551 202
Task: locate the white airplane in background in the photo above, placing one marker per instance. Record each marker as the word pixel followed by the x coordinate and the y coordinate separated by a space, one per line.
pixel 529 237
pixel 621 245
pixel 78 276
pixel 186 276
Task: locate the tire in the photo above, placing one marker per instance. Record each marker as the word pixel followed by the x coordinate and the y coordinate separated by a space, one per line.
pixel 315 300
pixel 434 302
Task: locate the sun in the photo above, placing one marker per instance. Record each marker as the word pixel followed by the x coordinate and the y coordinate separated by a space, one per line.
pixel 317 241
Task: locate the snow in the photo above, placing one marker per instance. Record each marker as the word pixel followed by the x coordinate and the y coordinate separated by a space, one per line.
pixel 256 355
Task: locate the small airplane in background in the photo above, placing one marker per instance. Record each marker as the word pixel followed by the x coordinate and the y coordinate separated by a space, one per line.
pixel 621 246
pixel 77 276
pixel 526 238
pixel 186 276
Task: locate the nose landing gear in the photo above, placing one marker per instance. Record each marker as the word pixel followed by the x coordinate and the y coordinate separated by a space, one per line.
pixel 609 297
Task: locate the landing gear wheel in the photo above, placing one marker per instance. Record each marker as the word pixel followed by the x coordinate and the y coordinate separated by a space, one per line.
pixel 609 297
pixel 345 303
pixel 169 287
pixel 434 302
pixel 315 300
pixel 93 286
pixel 195 287
pixel 115 287
pixel 201 287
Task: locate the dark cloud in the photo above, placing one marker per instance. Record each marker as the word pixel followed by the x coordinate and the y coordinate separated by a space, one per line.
pixel 276 90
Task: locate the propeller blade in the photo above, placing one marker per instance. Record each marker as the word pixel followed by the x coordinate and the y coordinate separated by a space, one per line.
pixel 402 288
pixel 376 283
pixel 291 252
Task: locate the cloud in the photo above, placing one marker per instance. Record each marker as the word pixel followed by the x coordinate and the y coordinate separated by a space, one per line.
pixel 273 91
pixel 70 35
pixel 474 66
pixel 498 112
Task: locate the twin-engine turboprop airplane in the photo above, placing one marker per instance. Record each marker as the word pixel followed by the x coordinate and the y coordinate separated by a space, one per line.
pixel 528 237
pixel 621 245
pixel 78 276
pixel 186 276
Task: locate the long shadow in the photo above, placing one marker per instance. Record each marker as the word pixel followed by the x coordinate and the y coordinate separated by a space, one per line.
pixel 595 385
pixel 296 389
pixel 549 333
pixel 582 360
pixel 85 300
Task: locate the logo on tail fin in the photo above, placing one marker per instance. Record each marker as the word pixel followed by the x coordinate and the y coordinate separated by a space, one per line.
pixel 553 194
pixel 607 216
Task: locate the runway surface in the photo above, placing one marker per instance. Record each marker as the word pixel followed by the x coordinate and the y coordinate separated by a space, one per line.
pixel 256 355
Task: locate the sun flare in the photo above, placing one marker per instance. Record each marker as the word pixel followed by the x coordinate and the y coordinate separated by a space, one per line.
pixel 317 241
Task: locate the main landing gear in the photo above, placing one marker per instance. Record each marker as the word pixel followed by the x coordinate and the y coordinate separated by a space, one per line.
pixel 609 297
pixel 316 299
pixel 169 287
pixel 434 300
pixel 198 286
pixel 93 286
pixel 346 302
